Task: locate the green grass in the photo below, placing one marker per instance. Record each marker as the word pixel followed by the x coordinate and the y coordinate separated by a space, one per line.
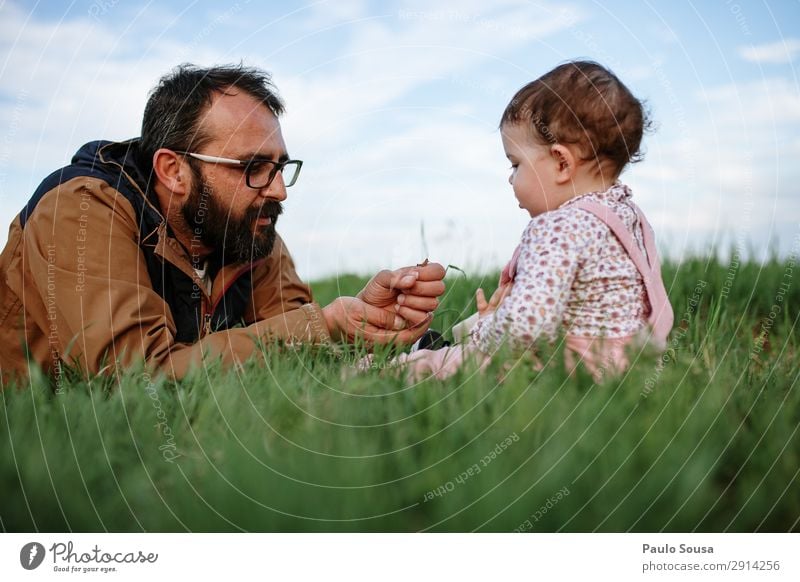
pixel 708 441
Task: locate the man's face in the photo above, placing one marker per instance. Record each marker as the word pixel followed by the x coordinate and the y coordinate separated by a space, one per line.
pixel 215 225
pixel 223 213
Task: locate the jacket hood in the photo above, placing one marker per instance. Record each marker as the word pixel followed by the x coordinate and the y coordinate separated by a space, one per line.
pixel 114 163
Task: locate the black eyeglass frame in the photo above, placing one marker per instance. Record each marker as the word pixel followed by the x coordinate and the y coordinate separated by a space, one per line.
pixel 248 165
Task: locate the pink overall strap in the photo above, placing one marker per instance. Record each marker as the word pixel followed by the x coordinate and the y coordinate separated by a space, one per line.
pixel 661 316
pixel 649 238
pixel 510 270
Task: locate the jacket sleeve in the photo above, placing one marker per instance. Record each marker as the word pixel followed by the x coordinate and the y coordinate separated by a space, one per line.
pixel 280 296
pixel 85 269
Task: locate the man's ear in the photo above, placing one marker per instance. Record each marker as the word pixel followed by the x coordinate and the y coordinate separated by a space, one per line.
pixel 172 172
pixel 565 163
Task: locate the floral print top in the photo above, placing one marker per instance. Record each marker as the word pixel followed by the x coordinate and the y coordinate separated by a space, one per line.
pixel 572 272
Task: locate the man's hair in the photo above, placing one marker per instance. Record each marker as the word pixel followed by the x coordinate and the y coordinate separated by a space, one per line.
pixel 584 104
pixel 176 105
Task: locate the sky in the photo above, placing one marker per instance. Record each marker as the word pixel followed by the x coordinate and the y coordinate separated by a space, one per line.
pixel 394 107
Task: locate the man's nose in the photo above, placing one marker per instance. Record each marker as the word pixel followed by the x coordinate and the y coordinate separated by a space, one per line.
pixel 276 189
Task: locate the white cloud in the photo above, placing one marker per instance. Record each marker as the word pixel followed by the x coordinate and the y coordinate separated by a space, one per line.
pixel 387 58
pixel 80 79
pixel 381 162
pixel 780 52
pixel 327 14
pixel 371 199
pixel 395 112
pixel 774 101
pixel 732 177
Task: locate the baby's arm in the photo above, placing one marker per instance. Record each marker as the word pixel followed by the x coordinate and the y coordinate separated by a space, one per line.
pixel 551 251
pixel 461 330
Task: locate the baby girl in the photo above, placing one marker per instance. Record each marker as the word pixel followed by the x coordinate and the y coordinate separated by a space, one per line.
pixel 587 265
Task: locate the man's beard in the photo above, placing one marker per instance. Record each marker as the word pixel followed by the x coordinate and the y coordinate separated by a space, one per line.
pixel 236 238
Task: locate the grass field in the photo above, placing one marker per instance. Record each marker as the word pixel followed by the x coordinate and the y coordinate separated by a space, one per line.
pixel 703 439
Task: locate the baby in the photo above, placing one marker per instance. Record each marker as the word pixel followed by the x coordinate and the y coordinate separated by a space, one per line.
pixel 587 264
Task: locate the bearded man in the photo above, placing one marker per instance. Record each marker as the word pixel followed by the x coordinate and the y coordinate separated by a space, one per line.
pixel 164 248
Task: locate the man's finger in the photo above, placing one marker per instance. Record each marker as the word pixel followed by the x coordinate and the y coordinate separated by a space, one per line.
pixel 406 277
pixel 382 318
pixel 431 272
pixel 414 317
pixel 426 289
pixel 397 279
pixel 418 303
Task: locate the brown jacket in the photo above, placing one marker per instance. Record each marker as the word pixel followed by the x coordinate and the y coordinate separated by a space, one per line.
pixel 75 288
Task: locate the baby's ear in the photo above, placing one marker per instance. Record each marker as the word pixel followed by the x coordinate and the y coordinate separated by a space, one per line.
pixel 565 163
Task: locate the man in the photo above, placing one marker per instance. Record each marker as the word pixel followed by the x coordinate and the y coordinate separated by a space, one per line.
pixel 164 247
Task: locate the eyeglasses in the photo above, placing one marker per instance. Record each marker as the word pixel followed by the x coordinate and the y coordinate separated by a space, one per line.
pixel 259 173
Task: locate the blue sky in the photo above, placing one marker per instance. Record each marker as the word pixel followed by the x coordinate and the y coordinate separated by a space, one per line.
pixel 394 109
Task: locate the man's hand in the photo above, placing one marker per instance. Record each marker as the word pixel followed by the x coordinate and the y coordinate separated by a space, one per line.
pixel 487 308
pixel 411 292
pixel 350 317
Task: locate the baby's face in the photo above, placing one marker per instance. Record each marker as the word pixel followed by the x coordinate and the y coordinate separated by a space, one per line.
pixel 533 170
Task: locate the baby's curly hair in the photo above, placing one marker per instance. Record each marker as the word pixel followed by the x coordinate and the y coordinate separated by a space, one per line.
pixel 584 104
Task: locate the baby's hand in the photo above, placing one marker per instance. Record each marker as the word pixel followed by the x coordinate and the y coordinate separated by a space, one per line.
pixel 485 308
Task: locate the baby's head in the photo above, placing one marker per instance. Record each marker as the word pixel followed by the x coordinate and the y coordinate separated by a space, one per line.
pixel 571 131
